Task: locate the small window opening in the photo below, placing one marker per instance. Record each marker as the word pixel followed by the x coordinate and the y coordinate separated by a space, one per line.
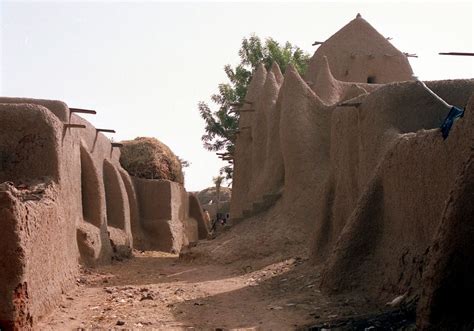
pixel 371 79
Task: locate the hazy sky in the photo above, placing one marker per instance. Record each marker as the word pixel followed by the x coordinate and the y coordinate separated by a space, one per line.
pixel 145 65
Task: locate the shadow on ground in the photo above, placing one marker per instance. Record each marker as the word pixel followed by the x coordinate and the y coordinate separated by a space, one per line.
pixel 271 300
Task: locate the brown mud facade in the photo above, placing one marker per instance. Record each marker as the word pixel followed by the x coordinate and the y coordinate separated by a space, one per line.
pixel 65 200
pixel 356 162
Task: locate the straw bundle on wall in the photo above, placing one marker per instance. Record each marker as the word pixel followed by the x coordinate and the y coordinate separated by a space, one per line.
pixel 149 158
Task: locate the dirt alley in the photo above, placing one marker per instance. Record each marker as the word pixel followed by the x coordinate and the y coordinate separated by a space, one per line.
pixel 159 291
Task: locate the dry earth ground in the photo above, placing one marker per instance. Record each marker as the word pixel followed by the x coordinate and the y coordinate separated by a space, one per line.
pixel 158 291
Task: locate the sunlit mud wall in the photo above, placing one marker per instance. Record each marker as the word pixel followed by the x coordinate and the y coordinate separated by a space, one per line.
pixel 65 201
pixel 360 164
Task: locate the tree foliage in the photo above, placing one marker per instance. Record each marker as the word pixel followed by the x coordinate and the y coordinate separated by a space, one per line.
pixel 221 124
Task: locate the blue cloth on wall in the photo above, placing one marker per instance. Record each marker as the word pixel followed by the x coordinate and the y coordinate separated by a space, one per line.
pixel 453 115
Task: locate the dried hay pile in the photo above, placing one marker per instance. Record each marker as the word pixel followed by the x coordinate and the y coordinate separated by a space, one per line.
pixel 149 158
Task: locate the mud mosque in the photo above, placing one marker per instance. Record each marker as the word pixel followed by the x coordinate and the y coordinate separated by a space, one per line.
pixel 350 157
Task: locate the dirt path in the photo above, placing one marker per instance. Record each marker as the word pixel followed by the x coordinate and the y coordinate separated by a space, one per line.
pixel 161 292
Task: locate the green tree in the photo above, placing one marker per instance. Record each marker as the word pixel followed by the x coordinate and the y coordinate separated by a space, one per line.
pixel 222 123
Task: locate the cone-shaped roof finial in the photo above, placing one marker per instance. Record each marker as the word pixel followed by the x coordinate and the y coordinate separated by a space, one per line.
pixel 277 72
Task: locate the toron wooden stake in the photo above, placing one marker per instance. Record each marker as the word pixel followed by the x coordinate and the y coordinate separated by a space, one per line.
pixel 457 53
pixel 75 126
pixel 105 130
pixel 240 104
pixel 83 111
pixel 349 104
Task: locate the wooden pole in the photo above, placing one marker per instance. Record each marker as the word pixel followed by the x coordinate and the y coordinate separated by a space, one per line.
pixel 74 126
pixel 105 130
pixel 84 111
pixel 457 53
pixel 350 104
pixel 239 104
pixel 241 110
